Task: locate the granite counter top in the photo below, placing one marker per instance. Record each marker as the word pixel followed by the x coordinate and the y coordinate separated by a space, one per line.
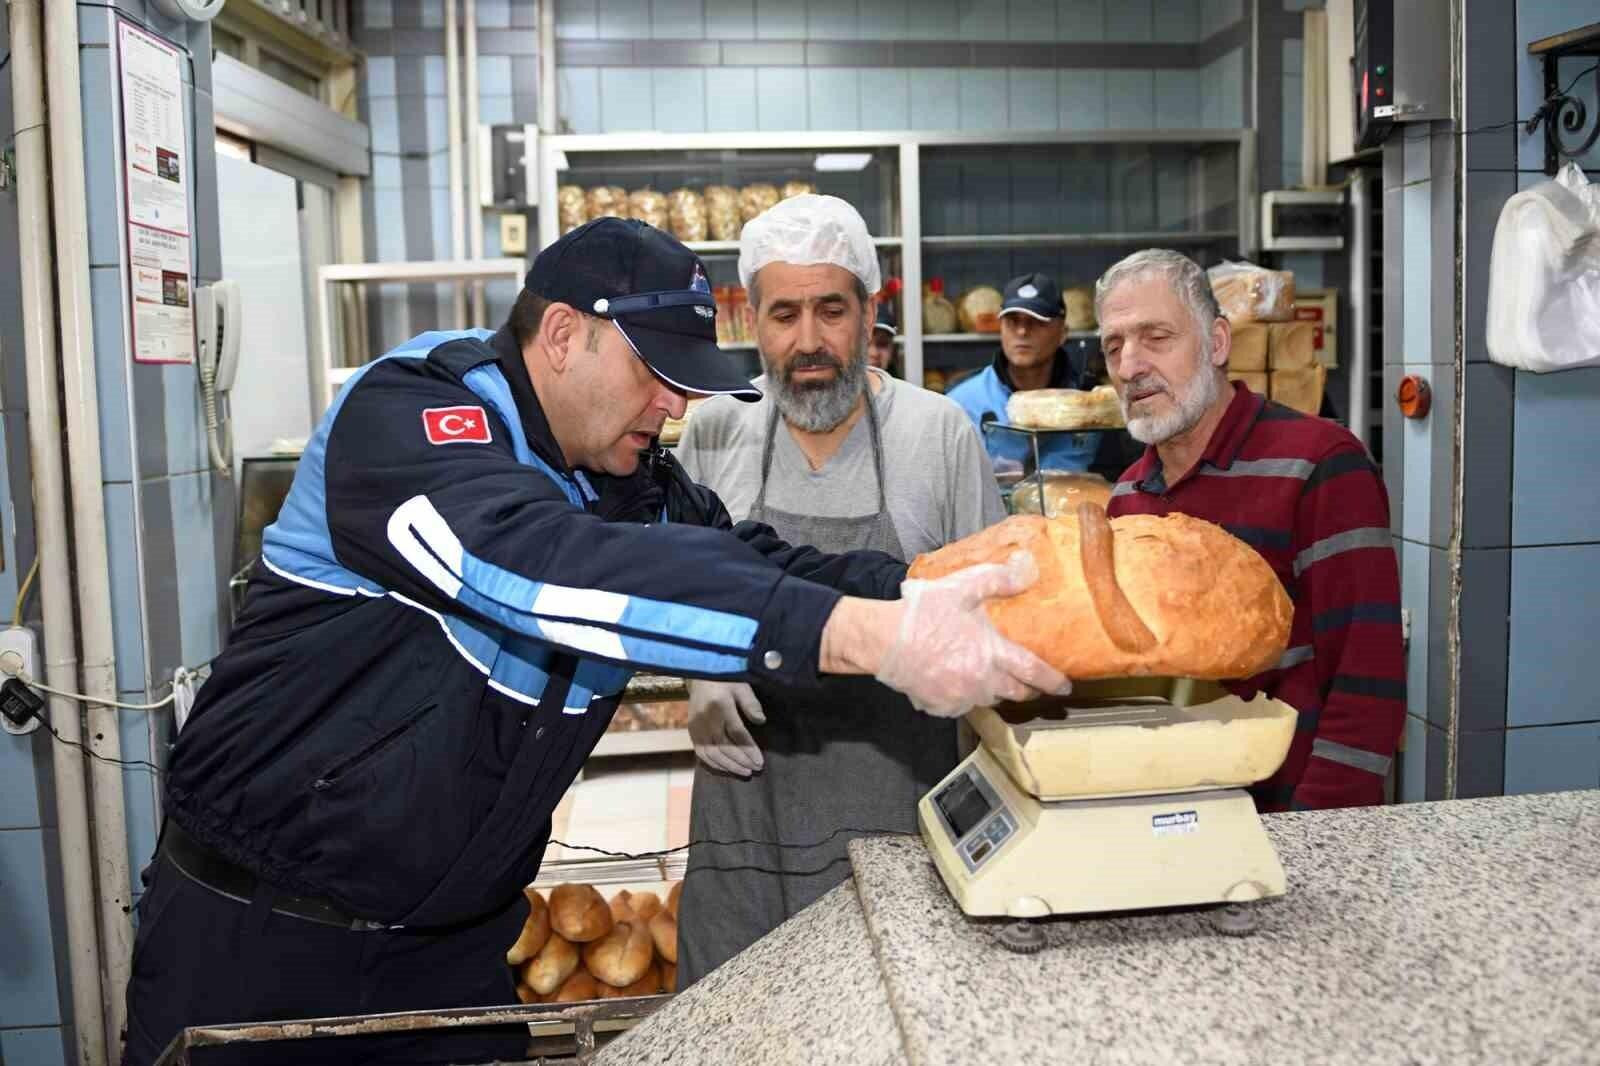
pixel 807 993
pixel 1450 933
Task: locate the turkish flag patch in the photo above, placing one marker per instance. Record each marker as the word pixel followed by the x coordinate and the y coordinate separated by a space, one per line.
pixel 456 425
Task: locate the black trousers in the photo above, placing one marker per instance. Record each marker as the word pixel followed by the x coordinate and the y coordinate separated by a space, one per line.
pixel 201 958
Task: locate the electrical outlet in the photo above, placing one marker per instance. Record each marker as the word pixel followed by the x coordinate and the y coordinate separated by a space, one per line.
pixel 19 655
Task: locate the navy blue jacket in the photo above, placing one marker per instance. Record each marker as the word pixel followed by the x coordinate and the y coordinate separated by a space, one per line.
pixel 983 396
pixel 438 629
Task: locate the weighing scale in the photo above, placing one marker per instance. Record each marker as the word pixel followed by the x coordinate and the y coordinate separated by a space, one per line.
pixel 1127 795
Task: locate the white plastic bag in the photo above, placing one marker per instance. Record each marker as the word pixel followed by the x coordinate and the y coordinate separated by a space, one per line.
pixel 1248 293
pixel 1544 276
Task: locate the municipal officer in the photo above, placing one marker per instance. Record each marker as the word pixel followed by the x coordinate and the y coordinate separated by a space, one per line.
pixel 471 562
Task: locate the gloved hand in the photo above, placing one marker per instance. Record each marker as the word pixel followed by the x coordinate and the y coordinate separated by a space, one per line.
pixel 948 657
pixel 721 740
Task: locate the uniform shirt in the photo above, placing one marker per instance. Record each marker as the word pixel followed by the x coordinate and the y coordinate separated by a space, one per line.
pixel 1304 494
pixel 937 479
pixel 983 396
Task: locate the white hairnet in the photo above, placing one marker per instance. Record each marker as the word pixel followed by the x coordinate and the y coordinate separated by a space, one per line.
pixel 809 229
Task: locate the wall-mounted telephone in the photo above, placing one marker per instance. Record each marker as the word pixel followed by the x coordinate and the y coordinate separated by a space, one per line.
pixel 217 330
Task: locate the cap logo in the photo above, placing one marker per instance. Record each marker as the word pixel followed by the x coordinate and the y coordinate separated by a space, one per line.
pixel 704 312
pixel 1028 292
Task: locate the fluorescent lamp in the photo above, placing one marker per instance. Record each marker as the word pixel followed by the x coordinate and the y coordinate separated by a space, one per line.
pixel 834 161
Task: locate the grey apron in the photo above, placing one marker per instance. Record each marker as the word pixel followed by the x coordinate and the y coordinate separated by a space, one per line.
pixel 852 753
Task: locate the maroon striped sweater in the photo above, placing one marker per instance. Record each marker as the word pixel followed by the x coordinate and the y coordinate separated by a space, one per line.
pixel 1303 492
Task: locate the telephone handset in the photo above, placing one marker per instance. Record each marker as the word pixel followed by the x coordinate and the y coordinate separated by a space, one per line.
pixel 217 329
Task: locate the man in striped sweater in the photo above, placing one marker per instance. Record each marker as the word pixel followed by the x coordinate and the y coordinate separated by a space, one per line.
pixel 1300 490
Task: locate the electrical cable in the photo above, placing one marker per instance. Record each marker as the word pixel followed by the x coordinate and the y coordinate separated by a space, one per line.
pixel 135 763
pixel 701 841
pixel 1553 100
pixel 22 593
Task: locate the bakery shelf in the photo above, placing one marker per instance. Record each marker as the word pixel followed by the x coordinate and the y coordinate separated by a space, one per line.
pixel 721 248
pixel 979 241
pixel 994 338
pixel 642 742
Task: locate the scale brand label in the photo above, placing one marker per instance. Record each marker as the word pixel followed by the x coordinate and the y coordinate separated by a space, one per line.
pixel 1166 825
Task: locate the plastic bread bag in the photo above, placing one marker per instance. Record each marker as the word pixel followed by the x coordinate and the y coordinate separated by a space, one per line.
pixel 1544 276
pixel 1248 293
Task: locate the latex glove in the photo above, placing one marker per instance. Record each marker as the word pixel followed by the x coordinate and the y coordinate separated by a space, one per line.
pixel 949 658
pixel 720 738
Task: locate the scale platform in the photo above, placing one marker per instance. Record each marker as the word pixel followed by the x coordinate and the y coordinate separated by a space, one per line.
pixel 1128 795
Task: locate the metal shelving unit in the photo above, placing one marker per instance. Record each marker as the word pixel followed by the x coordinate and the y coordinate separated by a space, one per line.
pixel 1216 169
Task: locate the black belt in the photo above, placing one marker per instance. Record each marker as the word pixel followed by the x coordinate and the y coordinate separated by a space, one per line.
pixel 209 870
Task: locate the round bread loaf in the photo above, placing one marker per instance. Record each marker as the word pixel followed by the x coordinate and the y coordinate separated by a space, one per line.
pixel 1095 408
pixel 579 913
pixel 621 956
pixel 1063 491
pixel 535 931
pixel 674 894
pixel 648 984
pixel 669 977
pixel 554 964
pixel 664 931
pixel 979 309
pixel 646 905
pixel 1134 596
pixel 580 986
pixel 526 994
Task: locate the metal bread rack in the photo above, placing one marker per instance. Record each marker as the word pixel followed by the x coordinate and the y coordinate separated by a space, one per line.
pixel 1037 477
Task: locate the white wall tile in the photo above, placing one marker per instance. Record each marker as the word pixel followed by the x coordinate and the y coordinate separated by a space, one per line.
pixel 733 20
pixel 577 19
pixel 1176 21
pixel 935 98
pixel 625 104
pixel 886 20
pixel 494 14
pixel 935 20
pixel 433 75
pixel 832 20
pixel 679 98
pixel 781 98
pixel 1031 20
pixel 383 114
pixel 380 76
pixel 1177 99
pixel 494 111
pixel 1228 91
pixel 1082 99
pixel 1081 20
pixel 1130 99
pixel 833 96
pixel 885 98
pixel 377 14
pixel 983 99
pixel 432 13
pixel 1130 20
pixel 981 20
pixel 623 19
pixel 731 99
pixel 780 20
pixel 1033 99
pixel 438 122
pixel 494 75
pixel 677 19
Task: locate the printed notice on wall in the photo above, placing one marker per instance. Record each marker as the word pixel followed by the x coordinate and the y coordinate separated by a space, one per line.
pixel 156 191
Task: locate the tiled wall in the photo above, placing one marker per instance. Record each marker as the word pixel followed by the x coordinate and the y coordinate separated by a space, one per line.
pixel 716 65
pixel 1530 527
pixel 168 522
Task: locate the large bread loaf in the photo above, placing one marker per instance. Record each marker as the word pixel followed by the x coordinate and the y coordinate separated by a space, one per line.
pixel 1134 596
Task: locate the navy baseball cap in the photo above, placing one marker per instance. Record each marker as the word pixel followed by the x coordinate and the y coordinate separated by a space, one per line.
pixel 1035 295
pixel 656 292
pixel 885 320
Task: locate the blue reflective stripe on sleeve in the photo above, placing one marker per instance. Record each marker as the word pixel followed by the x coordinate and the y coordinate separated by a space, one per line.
pixel 657 655
pixel 699 624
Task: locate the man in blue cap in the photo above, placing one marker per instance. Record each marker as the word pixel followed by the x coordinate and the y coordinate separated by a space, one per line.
pixel 1033 325
pixel 880 342
pixel 471 563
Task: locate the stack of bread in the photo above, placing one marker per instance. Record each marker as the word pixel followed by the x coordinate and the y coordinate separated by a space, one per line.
pixel 1273 354
pixel 576 946
pixel 1063 491
pixel 1065 409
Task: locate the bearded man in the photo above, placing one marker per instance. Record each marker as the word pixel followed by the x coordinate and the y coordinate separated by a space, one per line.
pixel 1300 490
pixel 841 456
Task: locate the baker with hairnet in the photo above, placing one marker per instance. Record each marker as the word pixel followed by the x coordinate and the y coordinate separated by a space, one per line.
pixel 844 457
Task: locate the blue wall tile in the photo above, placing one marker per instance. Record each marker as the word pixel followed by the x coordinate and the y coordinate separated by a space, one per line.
pixel 1218 15
pixel 1177 99
pixel 101 136
pixel 106 287
pixel 1416 499
pixel 1413 784
pixel 127 630
pixel 1033 99
pixel 198 566
pixel 625 103
pixel 1414 587
pixel 935 98
pixel 887 20
pixel 781 98
pixel 1081 20
pixel 579 98
pixel 834 98
pixel 494 14
pixel 1031 20
pixel 1130 20
pixel 383 119
pixel 380 76
pixel 1082 96
pixel 1417 256
pixel 680 19
pixel 983 99
pixel 624 19
pixel 885 99
pixel 1555 613
pixel 832 20
pixel 28 978
pixel 141 810
pixel 1557 419
pixel 1552 759
pixel 731 98
pixel 33 1047
pixel 1225 102
pixel 577 18
pixel 936 20
pixel 1537 19
pixel 19 782
pixel 981 20
pixel 494 76
pixel 377 14
pixel 1131 99
pixel 433 76
pixel 432 13
pixel 730 19
pixel 1177 21
pixel 680 99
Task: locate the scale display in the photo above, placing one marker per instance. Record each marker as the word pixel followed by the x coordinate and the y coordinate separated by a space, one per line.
pixel 963 805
